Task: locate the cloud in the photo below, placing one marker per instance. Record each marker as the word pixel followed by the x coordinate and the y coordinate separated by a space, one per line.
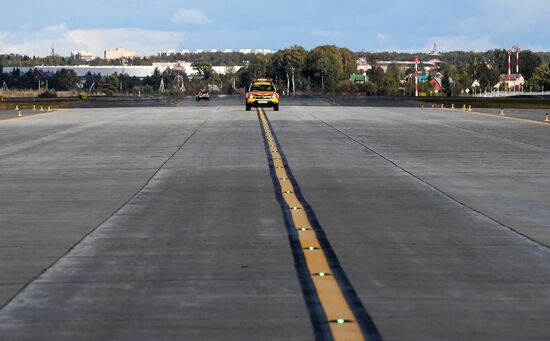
pixel 322 33
pixel 505 17
pixel 191 17
pixel 54 28
pixel 381 37
pixel 144 42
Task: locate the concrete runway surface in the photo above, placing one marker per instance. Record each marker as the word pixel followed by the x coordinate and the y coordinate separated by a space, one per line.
pixel 167 223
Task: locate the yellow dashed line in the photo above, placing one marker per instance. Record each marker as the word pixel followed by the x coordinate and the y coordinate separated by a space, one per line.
pixel 340 317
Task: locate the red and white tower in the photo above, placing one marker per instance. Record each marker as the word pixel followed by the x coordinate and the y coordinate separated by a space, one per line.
pixel 416 61
pixel 509 69
pixel 517 50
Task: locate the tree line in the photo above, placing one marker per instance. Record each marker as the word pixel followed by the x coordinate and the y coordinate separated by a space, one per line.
pixel 295 70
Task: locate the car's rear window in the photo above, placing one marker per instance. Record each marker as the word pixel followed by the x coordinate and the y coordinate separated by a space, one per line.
pixel 262 87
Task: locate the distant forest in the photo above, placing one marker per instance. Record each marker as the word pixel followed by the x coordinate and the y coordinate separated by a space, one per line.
pixel 325 69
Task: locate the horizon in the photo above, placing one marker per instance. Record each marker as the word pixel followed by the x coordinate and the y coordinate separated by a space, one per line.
pixel 274 51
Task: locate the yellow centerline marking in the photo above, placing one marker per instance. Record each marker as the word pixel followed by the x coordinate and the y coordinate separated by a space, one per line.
pixel 340 317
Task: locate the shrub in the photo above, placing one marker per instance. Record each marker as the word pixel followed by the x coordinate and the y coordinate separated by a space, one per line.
pixel 48 94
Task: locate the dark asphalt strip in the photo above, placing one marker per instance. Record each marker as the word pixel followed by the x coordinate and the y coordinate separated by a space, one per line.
pixel 318 318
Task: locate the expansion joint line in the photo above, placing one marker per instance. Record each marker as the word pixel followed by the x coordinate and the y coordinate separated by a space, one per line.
pixel 145 184
pixel 334 307
pixel 437 189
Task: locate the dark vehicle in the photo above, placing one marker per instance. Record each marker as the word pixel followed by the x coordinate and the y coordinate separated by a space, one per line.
pixel 203 95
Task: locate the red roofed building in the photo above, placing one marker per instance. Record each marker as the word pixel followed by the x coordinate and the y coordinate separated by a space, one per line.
pixel 515 82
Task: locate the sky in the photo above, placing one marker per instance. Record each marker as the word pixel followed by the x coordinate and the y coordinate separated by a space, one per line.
pixel 149 27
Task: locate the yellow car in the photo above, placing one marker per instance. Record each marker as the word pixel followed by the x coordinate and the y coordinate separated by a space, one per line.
pixel 262 93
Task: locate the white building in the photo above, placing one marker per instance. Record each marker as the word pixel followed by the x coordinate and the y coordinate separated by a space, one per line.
pixel 246 51
pixel 363 65
pixel 82 55
pixel 185 51
pixel 511 83
pixel 167 53
pixel 199 51
pixel 227 51
pixel 119 52
pixel 263 51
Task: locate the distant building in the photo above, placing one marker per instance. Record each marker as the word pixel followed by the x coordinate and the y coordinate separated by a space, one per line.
pixel 213 51
pixel 118 53
pixel 185 51
pixel 359 78
pixel 437 83
pixel 263 51
pixel 167 53
pixel 245 51
pixel 82 55
pixel 199 51
pixel 363 65
pixel 515 82
pixel 227 51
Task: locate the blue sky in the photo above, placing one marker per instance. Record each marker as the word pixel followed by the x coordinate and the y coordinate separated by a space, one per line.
pixel 153 26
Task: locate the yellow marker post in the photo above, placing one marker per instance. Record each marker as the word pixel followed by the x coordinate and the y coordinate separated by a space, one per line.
pixel 17 107
pixel 501 112
pixel 49 108
pixel 469 108
pixel 442 106
pixel 452 106
pixel 464 107
pixel 34 107
pixel 41 108
pixel 546 118
pixel 19 113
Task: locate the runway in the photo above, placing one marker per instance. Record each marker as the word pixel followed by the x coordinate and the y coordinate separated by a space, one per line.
pixel 167 223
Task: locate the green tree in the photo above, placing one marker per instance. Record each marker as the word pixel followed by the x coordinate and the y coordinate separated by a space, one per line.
pixel 109 84
pixel 349 62
pixel 288 63
pixel 204 69
pixel 479 70
pixel 377 77
pixel 390 83
pixel 346 87
pixel 66 79
pixel 325 67
pixel 529 61
pixel 541 77
pixel 259 67
pixel 446 83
